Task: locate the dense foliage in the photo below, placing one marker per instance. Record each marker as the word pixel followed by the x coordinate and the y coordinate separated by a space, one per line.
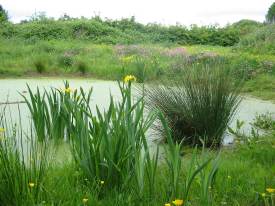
pixel 126 31
pixel 3 15
pixel 261 41
pixel 108 159
pixel 270 16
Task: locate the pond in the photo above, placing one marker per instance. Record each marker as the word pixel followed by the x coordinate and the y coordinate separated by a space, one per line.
pixel 11 89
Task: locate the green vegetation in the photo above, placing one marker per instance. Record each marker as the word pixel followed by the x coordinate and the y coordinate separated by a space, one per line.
pixel 109 49
pixel 72 155
pixel 261 41
pixel 147 62
pixel 125 31
pixel 3 15
pixel 199 106
pixel 95 172
pixel 270 16
pixel 264 121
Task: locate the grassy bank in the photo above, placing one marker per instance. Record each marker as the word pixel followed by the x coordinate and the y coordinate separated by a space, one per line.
pixel 81 58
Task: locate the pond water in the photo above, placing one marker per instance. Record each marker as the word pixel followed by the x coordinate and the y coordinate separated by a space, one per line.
pixel 11 89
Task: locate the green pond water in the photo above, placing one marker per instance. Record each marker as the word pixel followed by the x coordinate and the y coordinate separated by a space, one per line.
pixel 11 89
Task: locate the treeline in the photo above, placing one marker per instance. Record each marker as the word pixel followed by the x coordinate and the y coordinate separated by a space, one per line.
pixel 125 31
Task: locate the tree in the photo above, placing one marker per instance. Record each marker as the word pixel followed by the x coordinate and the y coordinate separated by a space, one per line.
pixel 270 17
pixel 3 15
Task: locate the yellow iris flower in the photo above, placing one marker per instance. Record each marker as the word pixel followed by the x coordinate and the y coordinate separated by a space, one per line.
pixel 129 78
pixel 31 184
pixel 178 202
pixel 270 190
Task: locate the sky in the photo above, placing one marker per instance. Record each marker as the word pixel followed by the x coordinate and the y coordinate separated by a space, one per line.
pixel 168 12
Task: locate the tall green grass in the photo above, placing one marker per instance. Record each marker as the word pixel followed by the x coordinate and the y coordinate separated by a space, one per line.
pixel 108 145
pixel 198 106
pixel 23 165
pixel 113 160
pixel 52 111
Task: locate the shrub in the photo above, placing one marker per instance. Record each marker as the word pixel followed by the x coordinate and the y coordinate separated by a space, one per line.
pixel 197 107
pixel 120 31
pixel 246 26
pixel 260 41
pixel 66 60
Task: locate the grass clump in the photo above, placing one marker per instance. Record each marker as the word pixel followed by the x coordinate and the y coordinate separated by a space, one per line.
pixel 264 121
pixel 198 106
pixel 52 111
pixel 110 149
pixel 82 67
pixel 23 166
pixel 40 66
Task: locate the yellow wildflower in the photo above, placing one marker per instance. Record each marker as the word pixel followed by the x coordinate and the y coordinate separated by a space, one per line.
pixel 178 202
pixel 270 190
pixel 85 200
pixel 2 129
pixel 68 90
pixel 167 204
pixel 102 182
pixel 127 59
pixel 129 78
pixel 31 184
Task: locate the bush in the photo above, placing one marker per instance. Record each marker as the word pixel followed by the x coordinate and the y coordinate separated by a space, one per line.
pixel 197 107
pixel 126 31
pixel 261 41
pixel 66 60
pixel 246 26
